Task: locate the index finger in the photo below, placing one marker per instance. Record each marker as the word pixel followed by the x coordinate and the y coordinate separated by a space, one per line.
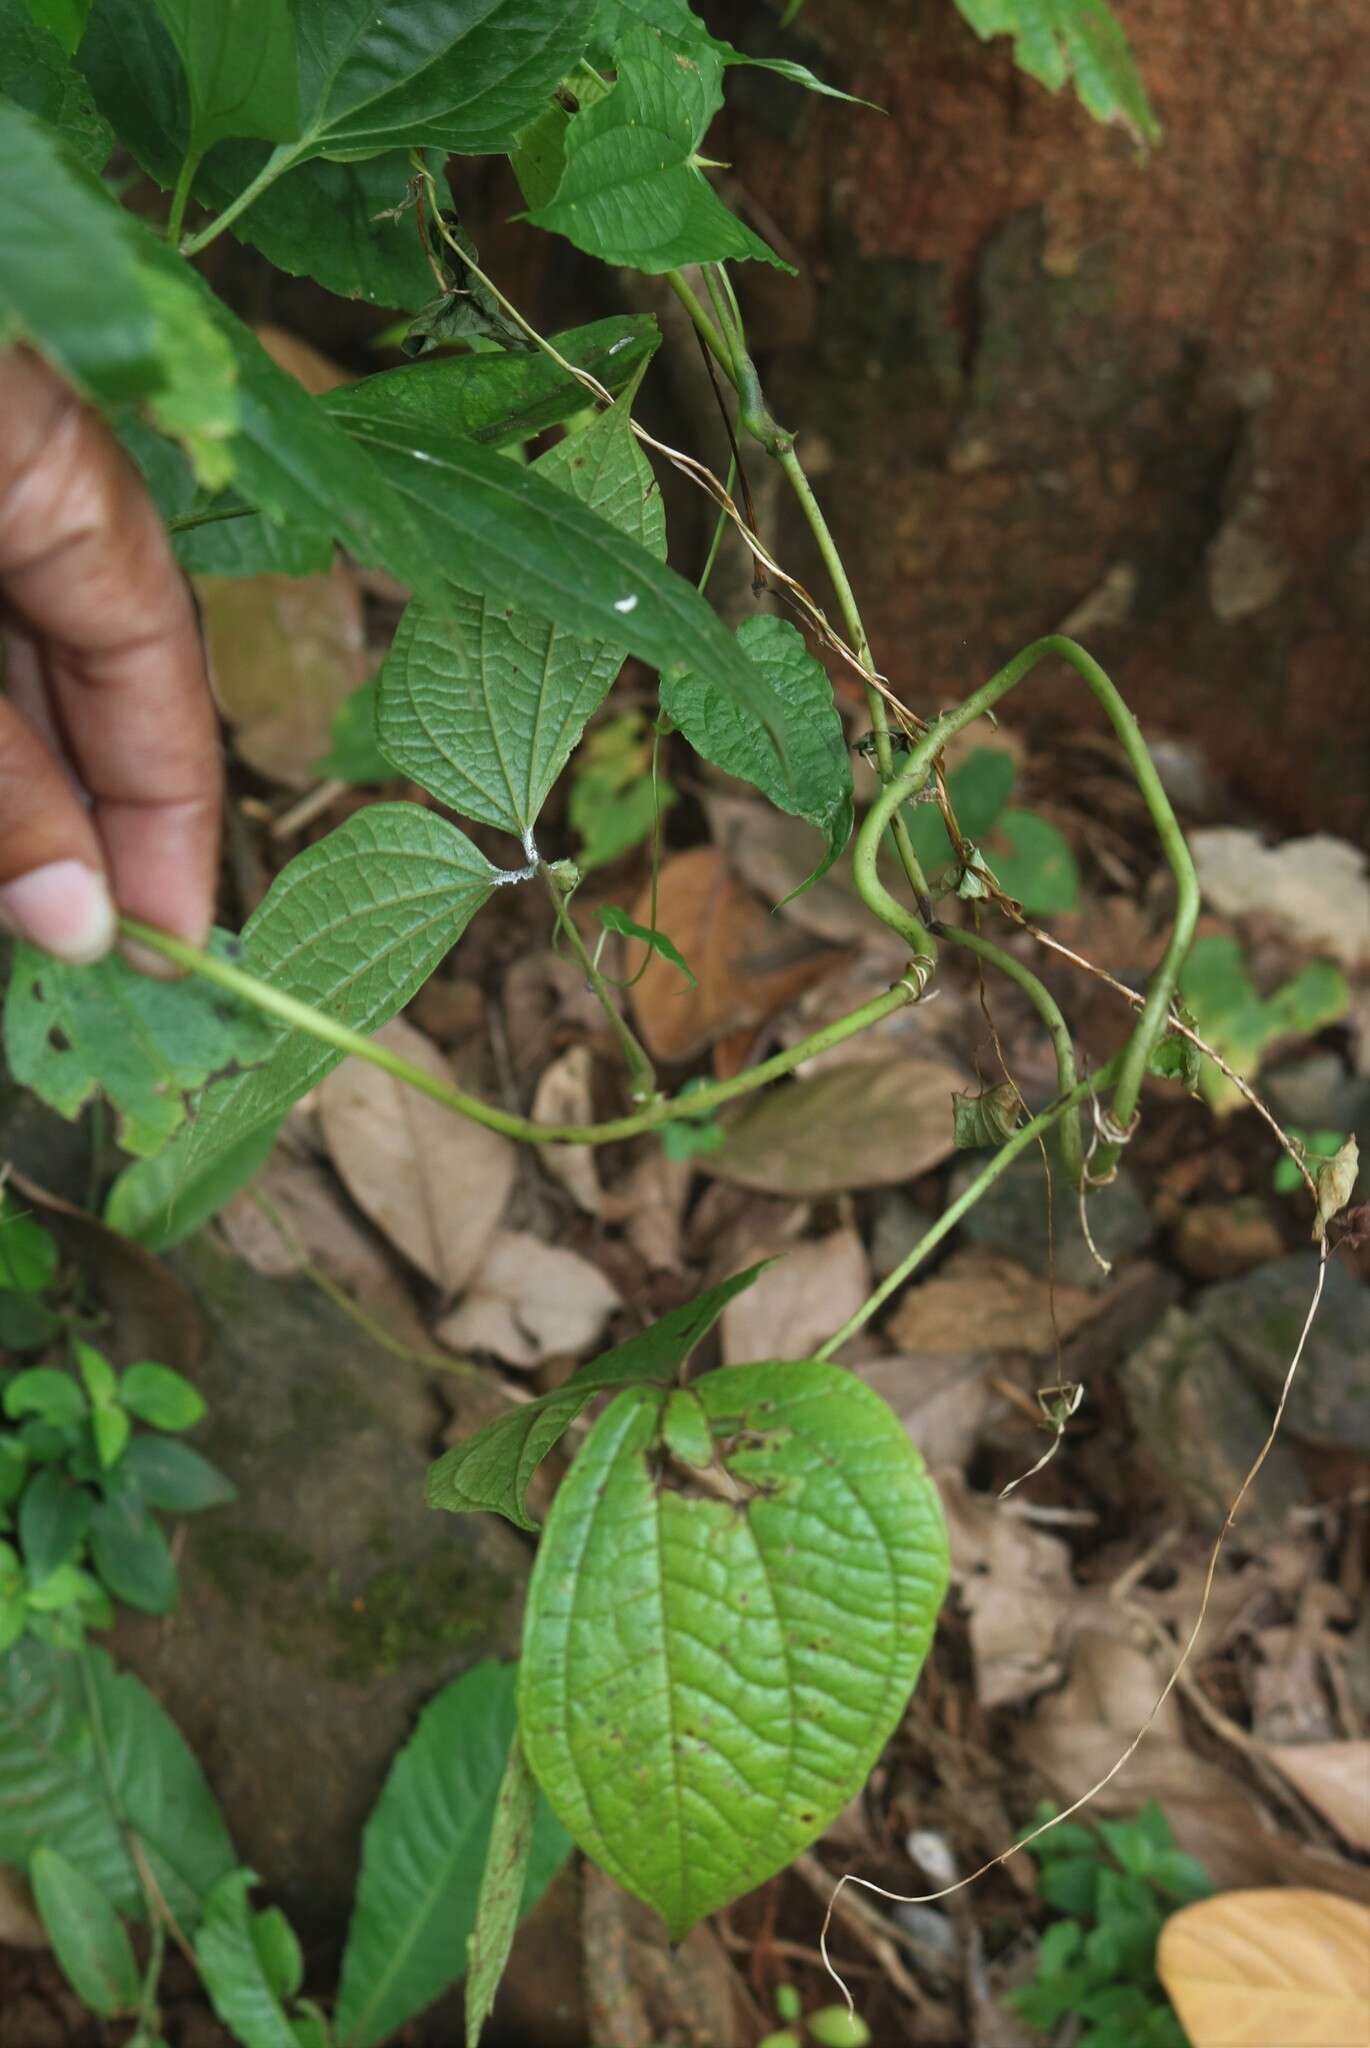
pixel 86 565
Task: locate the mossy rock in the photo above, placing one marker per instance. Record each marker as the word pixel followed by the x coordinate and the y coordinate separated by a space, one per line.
pixel 322 1609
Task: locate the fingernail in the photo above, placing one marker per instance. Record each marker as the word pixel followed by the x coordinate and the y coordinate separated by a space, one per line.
pixel 65 908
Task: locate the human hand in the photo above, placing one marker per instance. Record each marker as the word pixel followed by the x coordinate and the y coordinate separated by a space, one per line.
pixel 109 753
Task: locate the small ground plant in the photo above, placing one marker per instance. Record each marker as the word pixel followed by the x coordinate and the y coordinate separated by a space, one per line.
pixel 737 1583
pixel 1113 1886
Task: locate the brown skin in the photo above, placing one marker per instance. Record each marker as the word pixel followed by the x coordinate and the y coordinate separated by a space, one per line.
pixel 109 749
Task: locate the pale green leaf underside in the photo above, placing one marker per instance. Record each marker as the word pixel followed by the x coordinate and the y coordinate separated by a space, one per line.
pixel 423 1854
pixel 52 1789
pixel 706 1684
pixel 148 1046
pixel 354 926
pixel 814 781
pixel 491 1469
pixel 232 1969
pixel 482 703
pixel 501 1888
pixel 1054 40
pixel 631 191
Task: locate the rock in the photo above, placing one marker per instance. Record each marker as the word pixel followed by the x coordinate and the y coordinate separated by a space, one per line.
pixel 1259 1318
pixel 1012 1217
pixel 1220 1240
pixel 1316 1093
pixel 1203 1423
pixel 322 1609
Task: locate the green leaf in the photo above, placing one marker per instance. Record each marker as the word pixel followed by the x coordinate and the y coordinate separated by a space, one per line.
pixel 502 1886
pixel 687 33
pixel 52 1789
pixel 28 1253
pixel 706 1683
pixel 26 1321
pixel 422 1854
pixel 1081 39
pixel 615 920
pixel 152 1204
pixel 87 1935
pixel 173 1476
pixel 14 1466
pixel 112 1429
pixel 97 1374
pixel 231 1968
pixel 131 1555
pixel 615 800
pixel 239 59
pixel 818 786
pixel 483 702
pixel 63 18
pixel 156 1394
pixel 985 1119
pixel 518 538
pixel 353 926
pixel 147 1045
pixel 491 1469
pixel 247 545
pixel 54 1515
pixel 978 789
pixel 35 73
pixel 278 1952
pixel 1242 1024
pixel 1032 862
pixel 632 191
pixel 45 1392
pixel 413 75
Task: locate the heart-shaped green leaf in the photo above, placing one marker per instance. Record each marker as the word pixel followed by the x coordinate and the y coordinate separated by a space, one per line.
pixel 707 1680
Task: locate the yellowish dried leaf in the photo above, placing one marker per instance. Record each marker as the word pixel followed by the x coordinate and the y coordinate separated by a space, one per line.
pixel 1269 1969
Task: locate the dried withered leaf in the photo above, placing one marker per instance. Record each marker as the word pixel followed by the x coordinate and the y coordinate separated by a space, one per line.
pixel 859 1126
pixel 747 965
pixel 435 1183
pixel 978 1301
pixel 1248 1969
pixel 284 651
pixel 1334 1777
pixel 789 1310
pixel 531 1301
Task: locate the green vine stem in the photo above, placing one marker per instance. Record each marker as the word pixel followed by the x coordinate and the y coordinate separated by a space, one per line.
pixel 1047 1008
pixel 181 196
pixel 279 162
pixel 1132 1064
pixel 641 1072
pixel 1027 1134
pixel 274 1002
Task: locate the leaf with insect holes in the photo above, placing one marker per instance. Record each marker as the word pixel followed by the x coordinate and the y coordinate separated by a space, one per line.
pixel 706 1681
pixel 353 927
pixel 482 702
pixel 37 75
pixel 814 779
pixel 615 920
pixel 524 540
pixel 491 1469
pixel 86 1933
pixel 148 1046
pixel 423 1853
pixel 1055 40
pixel 632 190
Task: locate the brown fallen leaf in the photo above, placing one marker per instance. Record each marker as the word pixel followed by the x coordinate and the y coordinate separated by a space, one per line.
pixel 857 1126
pixel 773 854
pixel 565 1095
pixel 1269 1969
pixel 1076 1735
pixel 791 1307
pixel 531 1301
pixel 650 1205
pixel 435 1184
pixel 1334 1777
pixel 284 651
pixel 942 1402
pixel 1015 1583
pixel 301 360
pixel 746 965
pixel 980 1302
